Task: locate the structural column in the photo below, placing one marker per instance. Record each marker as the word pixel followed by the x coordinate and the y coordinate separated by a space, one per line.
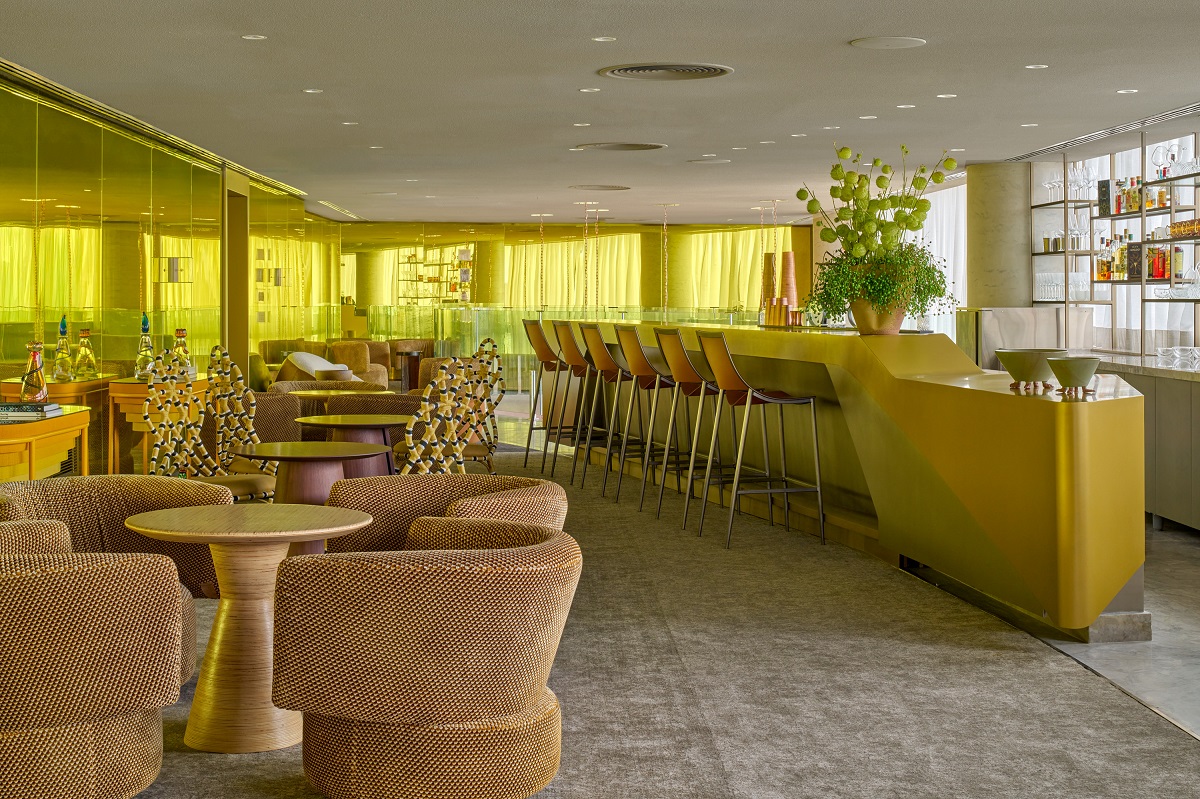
pixel 998 236
pixel 373 280
pixel 487 277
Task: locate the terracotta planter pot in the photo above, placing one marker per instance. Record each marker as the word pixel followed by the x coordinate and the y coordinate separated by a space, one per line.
pixel 872 323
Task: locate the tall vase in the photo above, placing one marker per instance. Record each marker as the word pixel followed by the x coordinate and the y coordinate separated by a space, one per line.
pixel 33 382
pixel 787 281
pixel 768 279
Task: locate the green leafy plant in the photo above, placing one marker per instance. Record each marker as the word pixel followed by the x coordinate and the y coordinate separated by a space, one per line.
pixel 911 280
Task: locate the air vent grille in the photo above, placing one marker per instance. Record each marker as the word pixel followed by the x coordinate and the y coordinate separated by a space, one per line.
pixel 1166 116
pixel 666 71
pixel 598 187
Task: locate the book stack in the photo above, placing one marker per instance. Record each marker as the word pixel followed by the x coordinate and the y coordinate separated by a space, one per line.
pixel 17 412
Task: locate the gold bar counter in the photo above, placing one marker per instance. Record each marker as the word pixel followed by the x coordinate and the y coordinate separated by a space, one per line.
pixel 1034 500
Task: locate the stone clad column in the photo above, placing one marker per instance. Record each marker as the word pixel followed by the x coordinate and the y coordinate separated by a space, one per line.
pixel 373 280
pixel 487 278
pixel 999 274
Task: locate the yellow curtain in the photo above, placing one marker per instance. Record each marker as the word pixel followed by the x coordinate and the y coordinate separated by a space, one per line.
pixel 727 265
pixel 607 273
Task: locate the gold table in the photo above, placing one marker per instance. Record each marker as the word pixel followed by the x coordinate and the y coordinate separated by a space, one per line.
pixel 232 710
pixel 91 393
pixel 34 450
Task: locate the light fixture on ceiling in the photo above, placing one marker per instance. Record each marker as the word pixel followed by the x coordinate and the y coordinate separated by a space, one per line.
pixel 709 155
pixel 254 37
pixel 32 200
pixel 382 193
pixel 906 106
pixel 1029 124
pixel 621 146
pixel 430 196
pixel 585 202
pixel 582 124
pixel 604 38
pixel 589 90
pixel 410 180
pixel 598 187
pixel 575 149
pixel 958 149
pixel 313 91
pixel 1037 66
pixel 602 210
pixel 737 148
pixel 349 123
pixel 339 209
pixel 868 117
pixel 540 215
pixel 1127 91
pixel 887 42
pixel 375 147
pixel 799 135
pixel 66 206
pixel 947 96
pixel 831 127
pixel 709 161
pixel 766 142
pixel 665 71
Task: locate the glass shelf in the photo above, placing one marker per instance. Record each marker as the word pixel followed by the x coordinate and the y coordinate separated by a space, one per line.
pixel 1151 212
pixel 1159 182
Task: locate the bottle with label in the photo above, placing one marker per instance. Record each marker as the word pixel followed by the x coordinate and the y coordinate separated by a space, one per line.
pixel 62 354
pixel 33 382
pixel 1177 263
pixel 1104 262
pixel 180 349
pixel 85 357
pixel 145 352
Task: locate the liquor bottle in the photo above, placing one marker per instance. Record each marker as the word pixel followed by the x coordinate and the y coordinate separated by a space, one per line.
pixel 145 352
pixel 62 354
pixel 1104 261
pixel 33 382
pixel 180 349
pixel 85 357
pixel 1120 271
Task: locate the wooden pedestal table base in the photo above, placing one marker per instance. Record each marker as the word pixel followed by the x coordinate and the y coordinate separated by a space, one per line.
pixel 307 472
pixel 232 710
pixel 363 428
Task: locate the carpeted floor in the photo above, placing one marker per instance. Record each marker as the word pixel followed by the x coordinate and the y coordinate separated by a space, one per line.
pixel 786 669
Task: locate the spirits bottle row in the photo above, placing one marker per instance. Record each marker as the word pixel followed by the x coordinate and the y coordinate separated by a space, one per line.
pixel 1125 196
pixel 1122 260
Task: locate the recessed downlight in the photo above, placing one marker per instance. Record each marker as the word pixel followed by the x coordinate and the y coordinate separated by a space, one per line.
pixel 1029 124
pixel 906 106
pixel 589 90
pixel 604 38
pixel 430 196
pixel 1037 66
pixel 958 149
pixel 582 124
pixel 599 187
pixel 737 148
pixel 665 71
pixel 887 42
pixel 832 127
pixel 799 135
pixel 709 161
pixel 621 146
pixel 382 193
pixel 411 180
pixel 869 117
pixel 947 96
pixel 313 91
pixel 1127 91
pixel 254 37
pixel 575 149
pixel 766 142
pixel 709 155
pixel 349 123
pixel 375 147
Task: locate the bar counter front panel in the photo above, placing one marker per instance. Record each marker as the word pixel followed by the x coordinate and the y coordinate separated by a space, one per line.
pixel 1022 497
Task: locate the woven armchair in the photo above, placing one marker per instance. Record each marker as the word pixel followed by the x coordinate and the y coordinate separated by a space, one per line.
pixel 396 501
pixel 100 654
pixel 95 509
pixel 423 672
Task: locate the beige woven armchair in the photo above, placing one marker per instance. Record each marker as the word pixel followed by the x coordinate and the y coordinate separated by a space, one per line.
pixel 423 672
pixel 100 654
pixel 397 501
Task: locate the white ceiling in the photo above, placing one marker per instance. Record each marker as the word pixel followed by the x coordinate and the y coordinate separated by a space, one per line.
pixel 476 100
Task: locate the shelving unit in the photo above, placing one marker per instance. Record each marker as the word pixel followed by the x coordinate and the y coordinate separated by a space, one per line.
pixel 436 278
pixel 1077 284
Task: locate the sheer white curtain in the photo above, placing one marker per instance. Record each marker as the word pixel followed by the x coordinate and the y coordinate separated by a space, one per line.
pixel 945 234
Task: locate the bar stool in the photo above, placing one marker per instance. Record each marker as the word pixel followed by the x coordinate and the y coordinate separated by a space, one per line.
pixel 736 392
pixel 610 372
pixel 645 378
pixel 573 357
pixel 688 383
pixel 547 360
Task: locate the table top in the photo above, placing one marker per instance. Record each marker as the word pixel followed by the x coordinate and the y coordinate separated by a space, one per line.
pixel 321 393
pixel 357 420
pixel 309 450
pixel 248 523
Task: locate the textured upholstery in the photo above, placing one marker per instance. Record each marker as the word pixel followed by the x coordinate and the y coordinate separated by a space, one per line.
pixel 95 509
pixel 400 404
pixel 80 703
pixel 34 537
pixel 380 352
pixel 396 501
pixel 422 345
pixel 427 372
pixel 422 673
pixel 356 355
pixel 258 376
pixel 316 407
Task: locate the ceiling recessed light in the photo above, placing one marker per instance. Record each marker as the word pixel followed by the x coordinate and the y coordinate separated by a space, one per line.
pixel 313 91
pixel 709 161
pixel 66 206
pixel 349 123
pixel 598 187
pixel 1037 66
pixel 575 149
pixel 582 124
pixel 254 37
pixel 766 142
pixel 799 135
pixel 868 117
pixel 541 214
pixel 906 106
pixel 737 148
pixel 709 155
pixel 382 193
pixel 947 96
pixel 589 91
pixel 46 200
pixel 957 149
pixel 1029 124
pixel 586 202
pixel 410 180
pixel 87 189
pixel 831 127
pixel 430 196
pixel 1127 91
pixel 375 147
pixel 604 38
pixel 887 42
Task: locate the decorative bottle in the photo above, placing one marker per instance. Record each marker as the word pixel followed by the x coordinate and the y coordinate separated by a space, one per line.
pixel 145 352
pixel 180 349
pixel 85 358
pixel 33 382
pixel 62 354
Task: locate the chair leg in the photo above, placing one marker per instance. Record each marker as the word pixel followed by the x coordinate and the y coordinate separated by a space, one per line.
pixel 691 476
pixel 711 446
pixel 649 464
pixel 537 393
pixel 584 421
pixel 562 413
pixel 612 423
pixel 687 428
pixel 635 391
pixel 671 427
pixel 733 438
pixel 737 468
pixel 597 393
pixel 766 466
pixel 817 473
pixel 787 513
pixel 548 423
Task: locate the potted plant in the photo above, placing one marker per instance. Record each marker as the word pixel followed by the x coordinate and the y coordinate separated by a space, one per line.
pixel 876 275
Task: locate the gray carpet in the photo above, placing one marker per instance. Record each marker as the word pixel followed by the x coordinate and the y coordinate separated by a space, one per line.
pixel 786 669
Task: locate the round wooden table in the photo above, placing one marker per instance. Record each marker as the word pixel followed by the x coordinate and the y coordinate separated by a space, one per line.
pixel 325 394
pixel 364 428
pixel 232 709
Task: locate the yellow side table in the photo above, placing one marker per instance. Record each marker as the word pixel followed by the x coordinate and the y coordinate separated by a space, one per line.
pixel 91 393
pixel 127 398
pixel 37 449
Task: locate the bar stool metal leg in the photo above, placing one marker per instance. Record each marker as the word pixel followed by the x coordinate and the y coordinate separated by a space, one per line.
pixel 537 393
pixel 787 514
pixel 737 471
pixel 634 390
pixel 687 499
pixel 766 465
pixel 597 393
pixel 711 448
pixel 548 423
pixel 817 473
pixel 585 419
pixel 562 413
pixel 647 447
pixel 671 428
pixel 612 423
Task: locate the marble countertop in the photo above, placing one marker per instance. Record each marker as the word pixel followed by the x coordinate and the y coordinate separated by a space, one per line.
pixel 1150 365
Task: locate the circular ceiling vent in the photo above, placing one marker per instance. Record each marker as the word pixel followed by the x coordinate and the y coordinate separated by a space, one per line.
pixel 888 42
pixel 620 146
pixel 598 187
pixel 666 71
pixel 710 161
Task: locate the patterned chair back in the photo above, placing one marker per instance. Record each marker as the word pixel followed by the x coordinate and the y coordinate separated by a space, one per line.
pixel 175 417
pixel 231 406
pixel 433 443
pixel 486 391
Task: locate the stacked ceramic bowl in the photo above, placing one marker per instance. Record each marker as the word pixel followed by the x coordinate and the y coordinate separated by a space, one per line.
pixel 1029 365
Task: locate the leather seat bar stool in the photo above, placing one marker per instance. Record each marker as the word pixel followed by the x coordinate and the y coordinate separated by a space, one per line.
pixel 577 362
pixel 610 372
pixel 547 360
pixel 688 383
pixel 737 393
pixel 646 377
